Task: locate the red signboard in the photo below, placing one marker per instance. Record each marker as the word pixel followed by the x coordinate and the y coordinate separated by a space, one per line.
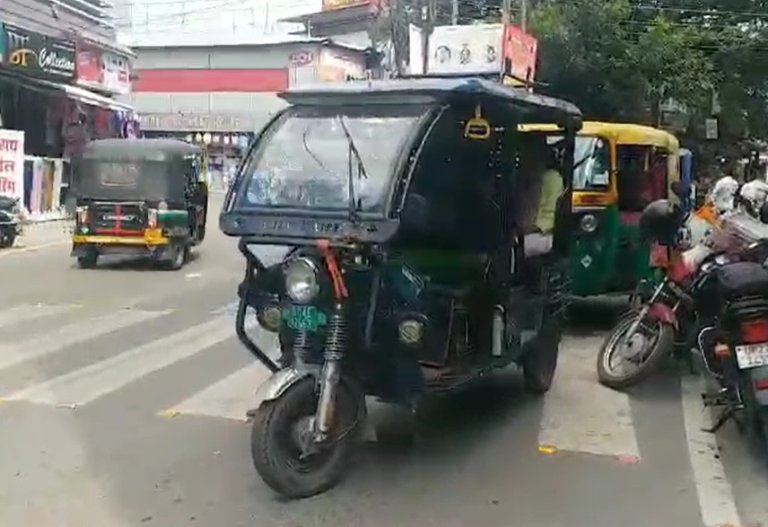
pixel 202 81
pixel 519 53
pixel 89 67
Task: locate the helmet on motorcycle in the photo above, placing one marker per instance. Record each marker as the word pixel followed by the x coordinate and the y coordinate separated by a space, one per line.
pixel 660 222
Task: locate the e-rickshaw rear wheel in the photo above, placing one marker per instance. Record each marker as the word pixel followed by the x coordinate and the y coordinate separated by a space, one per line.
pixel 540 360
pixel 89 259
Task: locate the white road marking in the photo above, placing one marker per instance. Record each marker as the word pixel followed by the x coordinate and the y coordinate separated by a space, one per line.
pixel 87 384
pixel 51 342
pixel 580 415
pixel 229 398
pixel 25 313
pixel 715 495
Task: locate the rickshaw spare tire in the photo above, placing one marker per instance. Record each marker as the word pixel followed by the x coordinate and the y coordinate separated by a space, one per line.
pixel 278 463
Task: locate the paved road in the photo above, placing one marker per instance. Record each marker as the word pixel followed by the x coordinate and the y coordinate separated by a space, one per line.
pixel 123 392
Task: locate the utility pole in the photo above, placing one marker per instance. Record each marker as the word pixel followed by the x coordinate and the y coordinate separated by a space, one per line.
pixel 506 7
pixel 455 12
pixel 428 8
pixel 523 14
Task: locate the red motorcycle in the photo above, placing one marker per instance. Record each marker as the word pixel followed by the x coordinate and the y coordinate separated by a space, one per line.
pixel 713 298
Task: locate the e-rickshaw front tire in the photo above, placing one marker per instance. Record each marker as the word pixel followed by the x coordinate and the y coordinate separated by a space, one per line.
pixel 278 459
pixel 89 259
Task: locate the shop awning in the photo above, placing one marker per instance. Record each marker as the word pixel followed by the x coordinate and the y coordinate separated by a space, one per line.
pixel 72 92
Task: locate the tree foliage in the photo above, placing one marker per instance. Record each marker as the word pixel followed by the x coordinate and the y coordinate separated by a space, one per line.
pixel 622 58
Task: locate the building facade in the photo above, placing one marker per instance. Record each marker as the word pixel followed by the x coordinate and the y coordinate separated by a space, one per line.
pixel 61 72
pixel 222 95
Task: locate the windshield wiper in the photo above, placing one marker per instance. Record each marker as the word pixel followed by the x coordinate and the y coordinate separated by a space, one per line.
pixel 354 206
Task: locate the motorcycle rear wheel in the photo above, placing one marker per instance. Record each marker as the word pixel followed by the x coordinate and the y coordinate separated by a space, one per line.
pixel 278 457
pixel 662 341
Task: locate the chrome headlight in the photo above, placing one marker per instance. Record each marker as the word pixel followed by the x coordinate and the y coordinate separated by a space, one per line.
pixel 588 223
pixel 411 332
pixel 302 282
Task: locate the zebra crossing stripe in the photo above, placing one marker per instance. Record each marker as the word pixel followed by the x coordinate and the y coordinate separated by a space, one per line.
pixel 69 335
pixel 91 382
pixel 580 415
pixel 232 396
pixel 25 313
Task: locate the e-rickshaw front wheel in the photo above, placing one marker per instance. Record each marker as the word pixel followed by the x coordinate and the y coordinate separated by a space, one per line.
pixel 282 446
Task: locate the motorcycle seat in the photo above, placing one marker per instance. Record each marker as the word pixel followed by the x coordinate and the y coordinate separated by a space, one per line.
pixel 742 279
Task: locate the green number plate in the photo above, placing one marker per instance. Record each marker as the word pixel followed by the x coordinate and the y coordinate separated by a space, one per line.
pixel 304 318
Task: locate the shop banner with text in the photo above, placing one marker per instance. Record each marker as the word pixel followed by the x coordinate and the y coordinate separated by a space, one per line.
pixel 36 54
pixel 12 163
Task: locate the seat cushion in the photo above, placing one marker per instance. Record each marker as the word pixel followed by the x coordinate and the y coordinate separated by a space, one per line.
pixel 742 279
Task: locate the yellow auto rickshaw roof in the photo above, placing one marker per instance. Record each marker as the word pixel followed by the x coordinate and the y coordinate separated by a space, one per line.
pixel 619 133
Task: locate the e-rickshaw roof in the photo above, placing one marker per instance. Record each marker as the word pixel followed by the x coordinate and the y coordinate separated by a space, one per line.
pixel 139 149
pixel 414 91
pixel 620 133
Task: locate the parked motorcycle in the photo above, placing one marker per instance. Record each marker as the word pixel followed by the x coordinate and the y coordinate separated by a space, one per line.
pixel 10 221
pixel 713 298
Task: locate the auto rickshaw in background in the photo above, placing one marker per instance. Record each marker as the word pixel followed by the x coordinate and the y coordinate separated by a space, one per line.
pixel 619 169
pixel 139 197
pixel 414 267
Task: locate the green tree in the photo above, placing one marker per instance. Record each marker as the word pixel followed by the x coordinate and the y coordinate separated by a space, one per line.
pixel 594 53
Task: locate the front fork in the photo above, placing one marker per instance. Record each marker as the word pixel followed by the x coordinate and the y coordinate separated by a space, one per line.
pixel 645 309
pixel 330 375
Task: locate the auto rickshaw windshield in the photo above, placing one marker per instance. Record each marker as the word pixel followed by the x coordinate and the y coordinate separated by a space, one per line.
pixel 591 169
pixel 309 156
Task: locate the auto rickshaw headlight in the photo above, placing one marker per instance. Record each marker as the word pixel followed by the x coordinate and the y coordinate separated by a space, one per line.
pixel 411 332
pixel 302 282
pixel 588 223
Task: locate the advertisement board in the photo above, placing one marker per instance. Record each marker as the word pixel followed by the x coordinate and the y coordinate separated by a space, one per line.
pixel 520 51
pixel 465 49
pixel 37 54
pixel 102 70
pixel 12 163
pixel 475 49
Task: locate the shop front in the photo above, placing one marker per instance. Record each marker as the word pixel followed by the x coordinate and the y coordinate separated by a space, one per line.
pixel 49 116
pixel 225 138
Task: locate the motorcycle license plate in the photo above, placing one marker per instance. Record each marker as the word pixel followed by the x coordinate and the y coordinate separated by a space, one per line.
pixel 304 318
pixel 752 355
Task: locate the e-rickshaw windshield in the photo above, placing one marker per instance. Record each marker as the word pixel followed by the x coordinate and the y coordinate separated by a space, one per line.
pixel 309 156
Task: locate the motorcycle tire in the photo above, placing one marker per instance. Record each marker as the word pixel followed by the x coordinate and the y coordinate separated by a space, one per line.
pixel 665 339
pixel 281 465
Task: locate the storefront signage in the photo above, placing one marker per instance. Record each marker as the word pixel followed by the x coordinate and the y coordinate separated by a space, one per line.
pixel 38 54
pixel 301 58
pixel 102 70
pixel 197 123
pixel 520 50
pixel 12 163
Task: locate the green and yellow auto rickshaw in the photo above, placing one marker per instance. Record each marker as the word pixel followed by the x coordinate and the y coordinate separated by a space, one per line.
pixel 618 169
pixel 139 197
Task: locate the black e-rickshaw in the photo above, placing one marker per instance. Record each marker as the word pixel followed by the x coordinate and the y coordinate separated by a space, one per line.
pixel 409 271
pixel 139 197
